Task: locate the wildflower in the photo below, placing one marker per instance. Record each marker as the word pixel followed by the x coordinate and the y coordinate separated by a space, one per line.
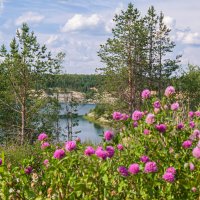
pixel 194 189
pixel 120 147
pixel 78 139
pixel 45 145
pixel 146 132
pixel 110 151
pixel 187 144
pixel 157 104
pixel 124 116
pixel 123 171
pixel 197 113
pixel 150 167
pixel 166 107
pixel 42 136
pixel 137 115
pixel 70 145
pixel 134 168
pixel 169 177
pixel 1 161
pixel 169 91
pixel 171 170
pixel 89 151
pixel 146 94
pixel 196 132
pixel 191 114
pixel 198 144
pixel 135 124
pixel 192 167
pixel 150 119
pixel 156 110
pixel 196 152
pixel 59 153
pixel 192 124
pixel 101 153
pixel 46 162
pixel 144 159
pixel 28 170
pixel 161 128
pixel 195 135
pixel 175 106
pixel 108 135
pixel 180 126
pixel 117 115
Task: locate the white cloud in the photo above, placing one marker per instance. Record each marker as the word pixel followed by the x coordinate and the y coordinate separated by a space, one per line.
pixel 192 38
pixel 29 17
pixel 188 37
pixel 52 39
pixel 110 24
pixel 79 22
pixel 169 21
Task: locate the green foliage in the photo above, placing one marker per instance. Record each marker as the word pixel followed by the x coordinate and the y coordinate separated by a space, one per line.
pixel 189 85
pixel 159 67
pixel 77 176
pixel 16 155
pixel 136 55
pixel 23 70
pixel 76 82
pixel 102 109
pixel 125 57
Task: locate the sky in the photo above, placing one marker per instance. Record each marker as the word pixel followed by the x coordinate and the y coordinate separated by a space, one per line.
pixel 78 27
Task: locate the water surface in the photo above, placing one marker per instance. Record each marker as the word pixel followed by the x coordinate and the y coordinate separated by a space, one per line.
pixel 89 132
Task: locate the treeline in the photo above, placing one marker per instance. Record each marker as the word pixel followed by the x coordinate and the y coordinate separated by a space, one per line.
pixel 76 82
pixel 188 84
pixel 138 55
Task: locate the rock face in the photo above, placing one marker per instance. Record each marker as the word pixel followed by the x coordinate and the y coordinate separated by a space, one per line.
pixel 66 97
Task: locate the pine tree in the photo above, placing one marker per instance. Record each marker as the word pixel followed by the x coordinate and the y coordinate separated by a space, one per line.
pixel 137 56
pixel 124 56
pixel 160 68
pixel 23 68
pixel 151 23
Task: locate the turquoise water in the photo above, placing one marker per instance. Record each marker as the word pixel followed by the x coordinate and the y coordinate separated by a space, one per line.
pixel 89 132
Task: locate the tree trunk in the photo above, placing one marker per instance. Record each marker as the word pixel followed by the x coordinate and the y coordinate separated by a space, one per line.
pixel 130 79
pixel 130 109
pixel 23 114
pixel 150 59
pixel 160 72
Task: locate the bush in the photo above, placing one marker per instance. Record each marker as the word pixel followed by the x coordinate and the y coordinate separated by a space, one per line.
pixel 154 156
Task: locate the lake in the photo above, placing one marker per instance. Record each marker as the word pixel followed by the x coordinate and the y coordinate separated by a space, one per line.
pixel 89 131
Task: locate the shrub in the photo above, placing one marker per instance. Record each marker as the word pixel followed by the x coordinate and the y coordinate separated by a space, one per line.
pixel 157 159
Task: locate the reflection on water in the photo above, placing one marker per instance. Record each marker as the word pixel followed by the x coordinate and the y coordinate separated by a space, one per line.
pixel 89 131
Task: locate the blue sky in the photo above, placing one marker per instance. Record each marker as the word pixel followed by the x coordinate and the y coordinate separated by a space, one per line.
pixel 78 27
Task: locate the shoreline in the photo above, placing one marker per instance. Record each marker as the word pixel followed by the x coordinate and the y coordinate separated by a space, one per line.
pixel 99 121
